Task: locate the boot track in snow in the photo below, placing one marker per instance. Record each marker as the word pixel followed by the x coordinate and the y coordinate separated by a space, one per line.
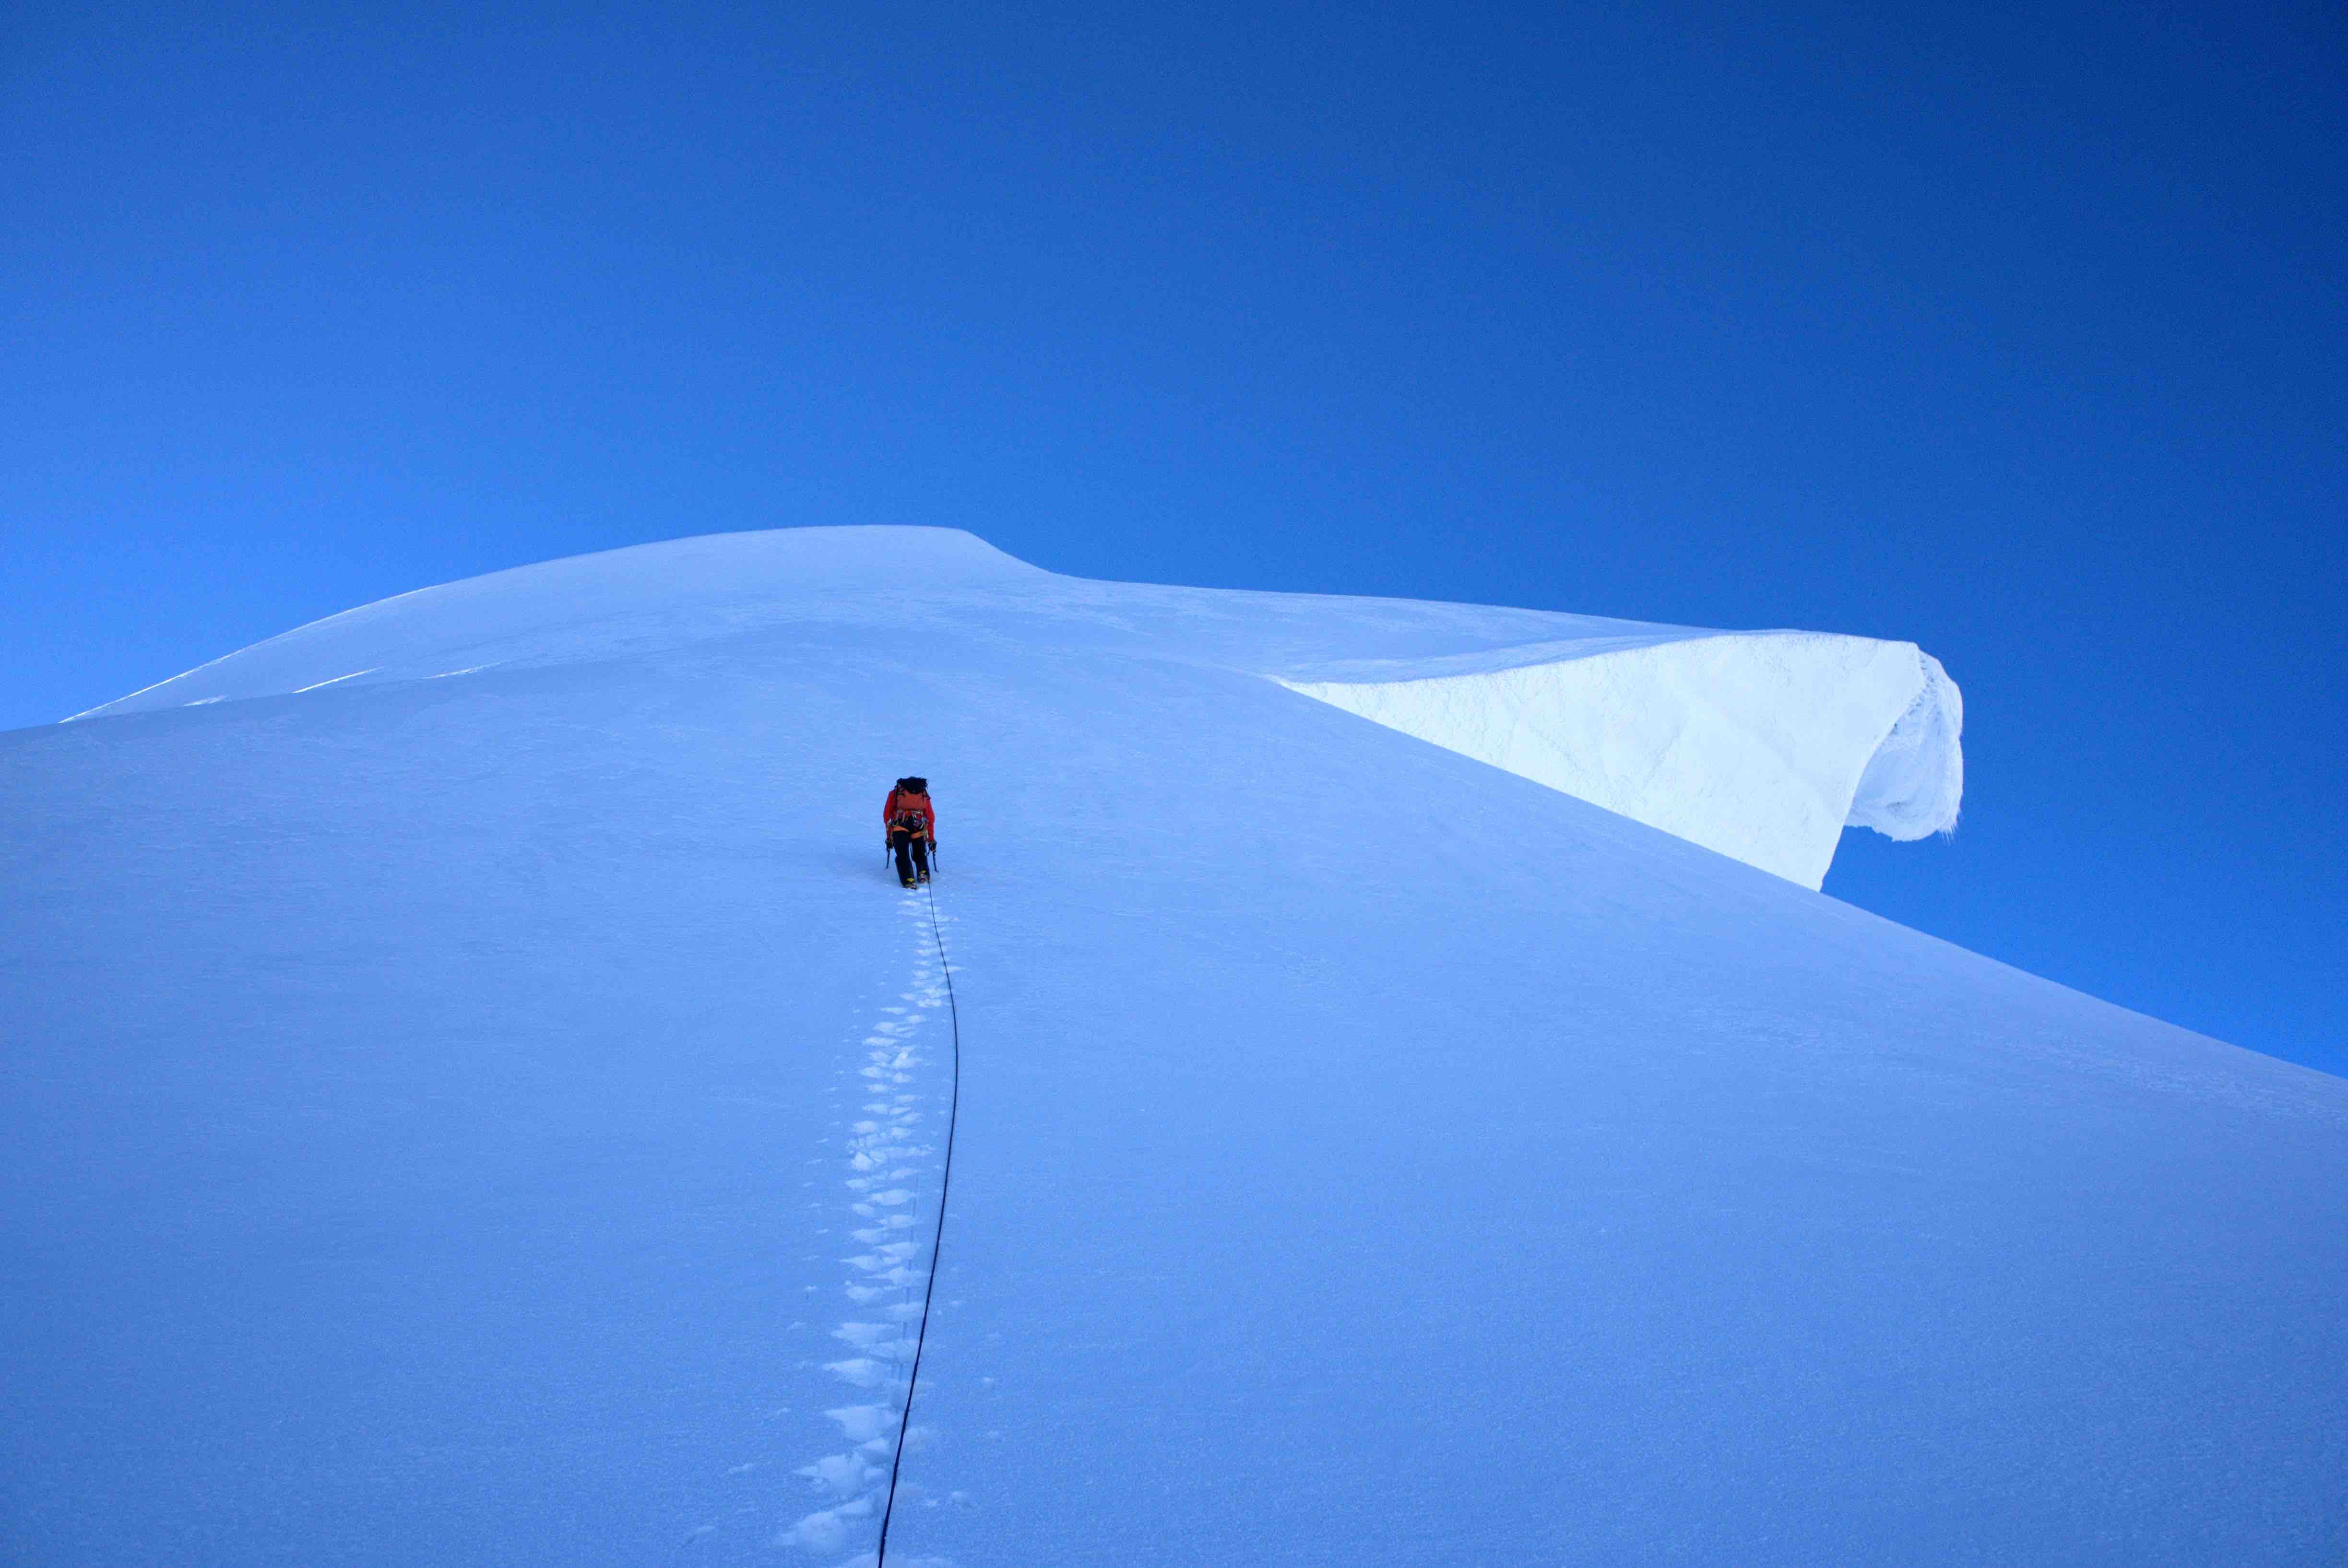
pixel 879 1147
pixel 938 1236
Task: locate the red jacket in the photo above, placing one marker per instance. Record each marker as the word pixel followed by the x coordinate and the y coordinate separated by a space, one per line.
pixel 901 801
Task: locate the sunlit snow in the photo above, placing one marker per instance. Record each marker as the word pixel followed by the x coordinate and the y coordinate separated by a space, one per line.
pixel 1760 745
pixel 476 1095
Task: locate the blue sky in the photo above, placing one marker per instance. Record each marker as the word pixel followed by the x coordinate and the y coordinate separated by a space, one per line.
pixel 2014 331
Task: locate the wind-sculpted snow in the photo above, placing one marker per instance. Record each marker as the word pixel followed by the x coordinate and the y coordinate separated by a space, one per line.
pixel 468 1064
pixel 1760 745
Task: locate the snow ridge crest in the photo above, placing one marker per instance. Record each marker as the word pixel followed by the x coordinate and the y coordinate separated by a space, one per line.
pixel 1761 745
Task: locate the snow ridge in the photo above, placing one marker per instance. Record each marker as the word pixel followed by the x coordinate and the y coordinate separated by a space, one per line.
pixel 1916 780
pixel 411 1081
pixel 1761 745
pixel 890 1322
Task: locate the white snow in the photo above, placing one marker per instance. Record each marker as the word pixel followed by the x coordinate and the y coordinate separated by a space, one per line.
pixel 1760 745
pixel 499 1119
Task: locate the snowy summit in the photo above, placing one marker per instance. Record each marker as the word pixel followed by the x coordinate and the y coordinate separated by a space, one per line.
pixel 1759 744
pixel 480 1095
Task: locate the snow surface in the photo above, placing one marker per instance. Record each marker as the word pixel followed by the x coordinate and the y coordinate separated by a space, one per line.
pixel 467 1067
pixel 1761 745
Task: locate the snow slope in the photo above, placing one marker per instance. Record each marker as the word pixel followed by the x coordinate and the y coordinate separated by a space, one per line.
pixel 459 1114
pixel 1760 745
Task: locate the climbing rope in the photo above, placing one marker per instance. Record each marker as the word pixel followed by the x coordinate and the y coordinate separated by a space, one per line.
pixel 937 1240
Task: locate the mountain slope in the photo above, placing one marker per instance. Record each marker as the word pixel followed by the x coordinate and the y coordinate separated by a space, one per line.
pixel 1759 744
pixel 449 1108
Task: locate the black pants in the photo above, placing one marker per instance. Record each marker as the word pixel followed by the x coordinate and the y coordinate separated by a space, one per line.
pixel 912 852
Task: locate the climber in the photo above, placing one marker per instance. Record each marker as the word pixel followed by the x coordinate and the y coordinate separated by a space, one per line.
pixel 913 829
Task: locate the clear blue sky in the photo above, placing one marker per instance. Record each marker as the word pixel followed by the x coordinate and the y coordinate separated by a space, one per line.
pixel 2019 332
